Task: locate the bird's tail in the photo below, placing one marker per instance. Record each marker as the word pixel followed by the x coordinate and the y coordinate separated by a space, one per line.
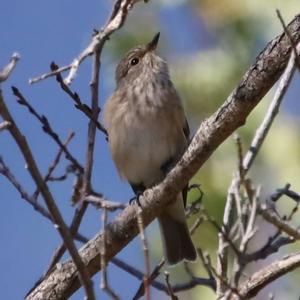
pixel 176 237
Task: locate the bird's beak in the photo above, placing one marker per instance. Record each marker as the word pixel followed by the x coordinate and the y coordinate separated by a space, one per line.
pixel 153 44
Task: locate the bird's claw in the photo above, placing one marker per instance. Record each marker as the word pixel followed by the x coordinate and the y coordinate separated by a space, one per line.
pixel 136 199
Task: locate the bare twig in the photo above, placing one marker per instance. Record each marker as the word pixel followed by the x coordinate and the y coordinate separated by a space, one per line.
pixel 101 202
pixel 222 257
pixel 62 177
pixel 50 74
pixel 115 21
pixel 6 71
pixel 207 267
pixel 272 112
pixel 94 85
pixel 4 125
pixel 47 128
pixel 250 228
pixel 77 218
pixel 239 262
pixel 196 224
pixel 78 104
pixel 146 278
pixel 271 246
pixel 229 288
pixel 272 217
pixel 4 170
pixel 155 273
pixel 287 192
pixel 170 289
pixel 239 146
pixel 294 46
pixel 55 214
pixel 54 164
pixel 104 279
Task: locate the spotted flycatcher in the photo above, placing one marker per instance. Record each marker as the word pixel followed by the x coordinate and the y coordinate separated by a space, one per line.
pixel 148 133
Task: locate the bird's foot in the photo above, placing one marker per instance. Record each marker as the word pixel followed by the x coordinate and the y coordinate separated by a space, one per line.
pixel 136 199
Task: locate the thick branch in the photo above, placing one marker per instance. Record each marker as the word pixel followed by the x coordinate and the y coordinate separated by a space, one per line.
pixel 261 76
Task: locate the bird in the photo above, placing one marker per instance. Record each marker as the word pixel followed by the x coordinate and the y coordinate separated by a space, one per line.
pixel 148 133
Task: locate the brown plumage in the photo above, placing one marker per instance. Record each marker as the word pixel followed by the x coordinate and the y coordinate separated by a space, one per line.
pixel 148 133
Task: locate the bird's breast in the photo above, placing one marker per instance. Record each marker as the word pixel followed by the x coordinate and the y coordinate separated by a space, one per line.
pixel 142 140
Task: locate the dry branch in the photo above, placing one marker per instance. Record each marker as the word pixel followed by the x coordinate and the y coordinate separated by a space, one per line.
pixel 261 76
pixel 272 217
pixel 6 71
pixel 261 278
pixel 4 125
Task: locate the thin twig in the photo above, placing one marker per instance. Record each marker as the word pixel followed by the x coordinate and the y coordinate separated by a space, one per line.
pixel 55 163
pixel 104 278
pixel 272 112
pixel 4 125
pixel 5 171
pixel 78 104
pixel 240 177
pixel 287 192
pixel 170 289
pixel 155 273
pixel 47 128
pixel 77 218
pixel 94 85
pixel 101 202
pixel 220 231
pixel 147 276
pixel 229 288
pixel 7 70
pixel 206 266
pixel 294 46
pixel 222 257
pixel 196 224
pixel 273 218
pixel 195 206
pixel 271 246
pixel 239 146
pixel 250 229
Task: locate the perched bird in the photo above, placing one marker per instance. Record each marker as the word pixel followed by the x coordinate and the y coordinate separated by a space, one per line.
pixel 148 133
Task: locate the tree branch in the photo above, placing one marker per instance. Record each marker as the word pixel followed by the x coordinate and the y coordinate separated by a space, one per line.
pixel 6 71
pixel 261 278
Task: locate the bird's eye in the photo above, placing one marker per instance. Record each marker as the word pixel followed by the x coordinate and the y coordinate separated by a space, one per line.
pixel 134 61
